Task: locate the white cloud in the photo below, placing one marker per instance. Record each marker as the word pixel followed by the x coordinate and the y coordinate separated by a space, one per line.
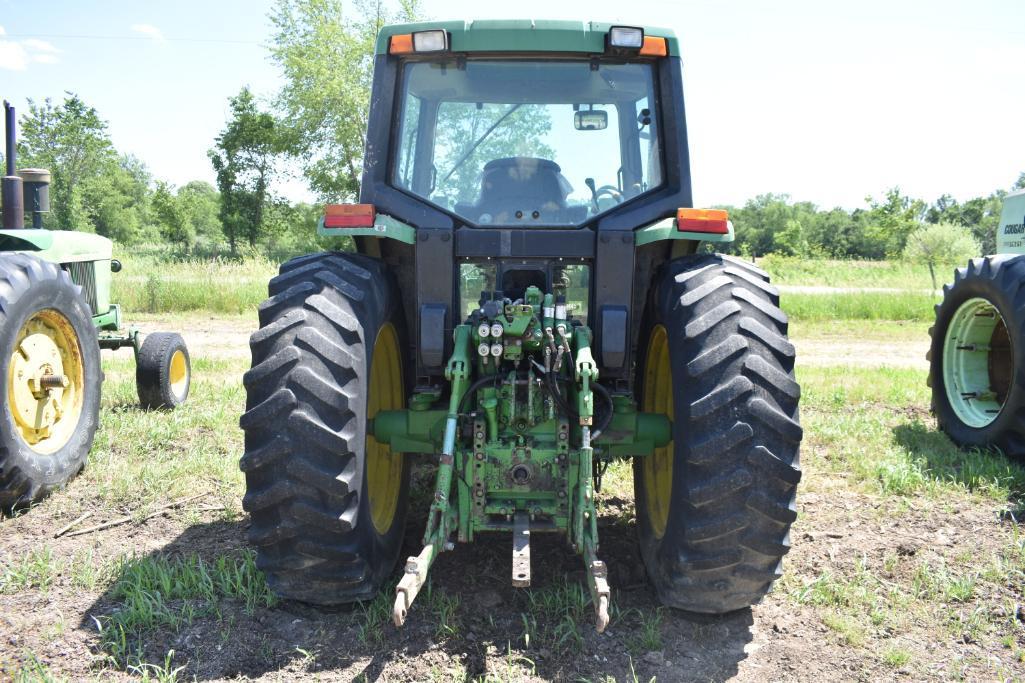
pixel 16 55
pixel 13 56
pixel 36 45
pixel 149 31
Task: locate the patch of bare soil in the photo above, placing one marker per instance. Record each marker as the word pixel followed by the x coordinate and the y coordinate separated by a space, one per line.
pixel 211 336
pixel 899 353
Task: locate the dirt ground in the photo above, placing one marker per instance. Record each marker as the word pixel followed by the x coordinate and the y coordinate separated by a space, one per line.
pixel 778 640
pixel 862 352
pixel 773 641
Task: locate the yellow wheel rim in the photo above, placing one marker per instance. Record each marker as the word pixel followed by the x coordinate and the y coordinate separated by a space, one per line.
pixel 657 469
pixel 178 375
pixel 46 382
pixel 384 469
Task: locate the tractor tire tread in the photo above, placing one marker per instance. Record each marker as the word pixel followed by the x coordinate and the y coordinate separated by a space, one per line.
pixel 736 436
pixel 304 428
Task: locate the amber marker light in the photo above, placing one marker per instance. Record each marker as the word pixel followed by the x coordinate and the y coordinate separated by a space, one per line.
pixel 714 221
pixel 654 47
pixel 401 44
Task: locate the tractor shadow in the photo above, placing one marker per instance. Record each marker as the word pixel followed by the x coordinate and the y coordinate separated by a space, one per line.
pixel 467 624
pixel 973 468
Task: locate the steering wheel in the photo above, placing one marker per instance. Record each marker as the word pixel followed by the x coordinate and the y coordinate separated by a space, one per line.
pixel 611 191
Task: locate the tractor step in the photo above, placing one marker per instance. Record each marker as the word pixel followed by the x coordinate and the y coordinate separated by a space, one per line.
pixel 521 550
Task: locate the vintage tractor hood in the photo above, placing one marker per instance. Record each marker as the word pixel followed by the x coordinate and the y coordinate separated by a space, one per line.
pixel 72 247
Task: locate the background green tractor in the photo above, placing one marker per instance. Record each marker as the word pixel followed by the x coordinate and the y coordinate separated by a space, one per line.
pixel 977 355
pixel 528 303
pixel 55 316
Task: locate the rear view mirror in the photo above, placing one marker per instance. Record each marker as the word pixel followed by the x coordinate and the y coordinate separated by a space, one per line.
pixel 591 119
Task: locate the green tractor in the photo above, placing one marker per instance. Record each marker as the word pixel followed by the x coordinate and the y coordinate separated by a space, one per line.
pixel 977 355
pixel 528 302
pixel 55 316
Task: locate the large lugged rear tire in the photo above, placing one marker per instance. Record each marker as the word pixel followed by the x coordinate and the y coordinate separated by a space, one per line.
pixel 327 501
pixel 715 506
pixel 46 330
pixel 977 355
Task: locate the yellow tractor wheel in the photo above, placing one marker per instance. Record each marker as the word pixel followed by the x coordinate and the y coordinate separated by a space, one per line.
pixel 50 368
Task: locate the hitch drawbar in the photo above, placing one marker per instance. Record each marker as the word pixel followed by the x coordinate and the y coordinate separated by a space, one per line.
pixel 515 443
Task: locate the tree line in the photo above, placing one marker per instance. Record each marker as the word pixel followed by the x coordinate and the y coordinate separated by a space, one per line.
pixel 315 126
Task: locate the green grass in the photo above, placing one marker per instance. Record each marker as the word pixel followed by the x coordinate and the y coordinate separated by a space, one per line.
pixel 149 285
pixel 849 273
pixel 556 616
pixel 896 657
pixel 141 457
pixel 35 569
pixel 170 592
pixel 893 306
pixel 864 423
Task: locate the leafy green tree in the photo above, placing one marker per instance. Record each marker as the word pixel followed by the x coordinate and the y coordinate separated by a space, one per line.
pixel 326 56
pixel 1019 184
pixel 72 141
pixel 940 243
pixel 890 221
pixel 202 204
pixel 173 217
pixel 981 215
pixel 245 158
pixel 117 201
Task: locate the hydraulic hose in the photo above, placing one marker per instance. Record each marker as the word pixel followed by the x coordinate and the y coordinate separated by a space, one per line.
pixel 480 383
pixel 607 418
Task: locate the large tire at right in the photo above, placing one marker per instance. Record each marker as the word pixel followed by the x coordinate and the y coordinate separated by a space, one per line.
pixel 715 506
pixel 327 502
pixel 977 356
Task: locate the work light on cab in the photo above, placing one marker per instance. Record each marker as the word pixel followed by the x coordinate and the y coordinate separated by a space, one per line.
pixel 627 37
pixel 630 38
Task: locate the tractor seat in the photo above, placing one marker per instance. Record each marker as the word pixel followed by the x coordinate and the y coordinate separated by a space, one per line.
pixel 514 189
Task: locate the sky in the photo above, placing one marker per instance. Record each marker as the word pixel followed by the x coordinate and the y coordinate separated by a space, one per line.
pixel 828 102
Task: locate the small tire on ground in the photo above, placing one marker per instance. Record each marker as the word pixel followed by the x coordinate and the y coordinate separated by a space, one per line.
pixel 163 374
pixel 714 536
pixel 999 282
pixel 30 286
pixel 306 443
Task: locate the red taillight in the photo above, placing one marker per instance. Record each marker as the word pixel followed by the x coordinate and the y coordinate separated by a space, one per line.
pixel 349 216
pixel 715 221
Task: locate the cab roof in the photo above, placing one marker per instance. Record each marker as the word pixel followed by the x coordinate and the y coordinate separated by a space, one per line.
pixel 523 35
